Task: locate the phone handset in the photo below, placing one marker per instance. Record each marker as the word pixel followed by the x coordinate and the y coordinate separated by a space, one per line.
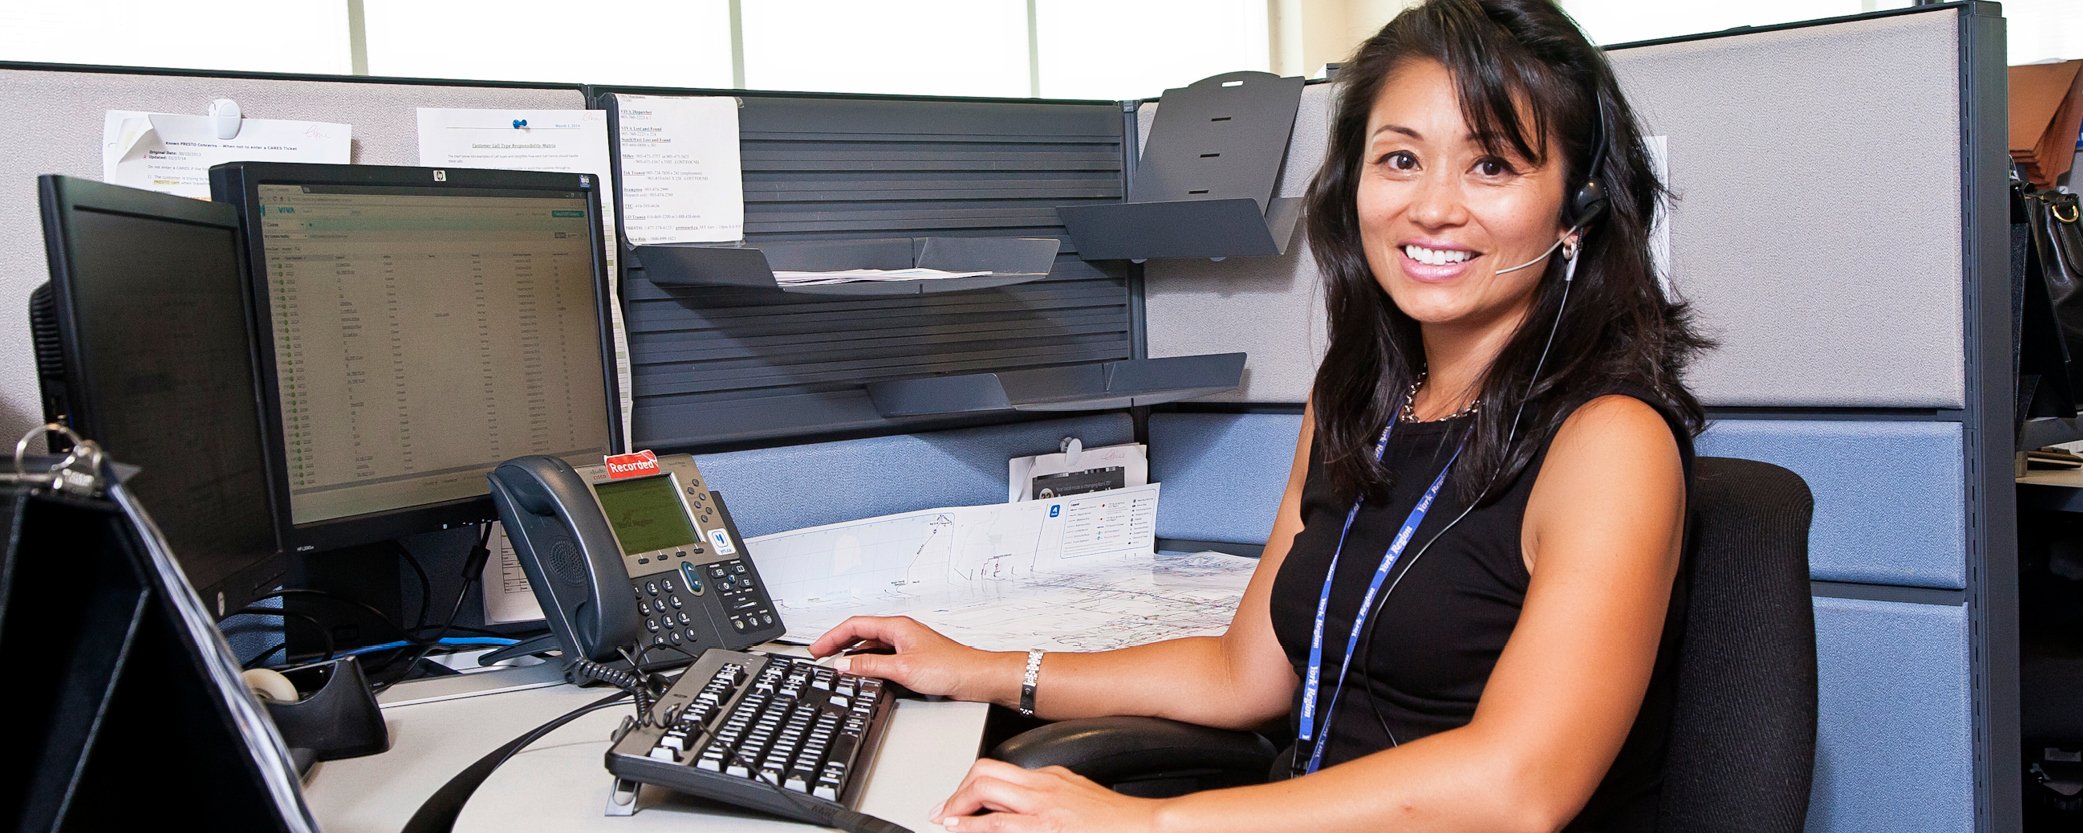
pixel 564 545
pixel 633 553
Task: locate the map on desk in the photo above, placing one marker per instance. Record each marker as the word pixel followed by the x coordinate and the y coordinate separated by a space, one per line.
pixel 1071 574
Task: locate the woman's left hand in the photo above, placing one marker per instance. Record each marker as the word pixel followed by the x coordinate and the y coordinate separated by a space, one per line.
pixel 1051 799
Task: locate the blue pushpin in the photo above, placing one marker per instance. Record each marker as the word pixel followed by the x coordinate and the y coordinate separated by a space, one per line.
pixel 520 123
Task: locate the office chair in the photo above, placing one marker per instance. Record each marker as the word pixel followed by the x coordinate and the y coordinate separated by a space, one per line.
pixel 1742 746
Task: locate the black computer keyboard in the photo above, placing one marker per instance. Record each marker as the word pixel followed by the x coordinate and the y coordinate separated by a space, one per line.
pixel 769 732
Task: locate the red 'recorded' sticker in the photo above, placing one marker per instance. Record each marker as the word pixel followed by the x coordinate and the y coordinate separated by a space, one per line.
pixel 637 464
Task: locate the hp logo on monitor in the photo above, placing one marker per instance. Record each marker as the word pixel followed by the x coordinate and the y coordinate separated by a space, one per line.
pixel 440 176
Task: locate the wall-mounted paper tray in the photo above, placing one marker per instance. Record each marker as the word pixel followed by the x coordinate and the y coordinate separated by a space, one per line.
pixel 1089 387
pixel 2040 432
pixel 1010 260
pixel 1234 227
pixel 1206 181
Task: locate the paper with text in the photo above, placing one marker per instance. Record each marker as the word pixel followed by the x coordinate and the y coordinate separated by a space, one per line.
pixel 561 141
pixel 509 597
pixel 172 153
pixel 682 178
pixel 1074 573
pixel 1043 476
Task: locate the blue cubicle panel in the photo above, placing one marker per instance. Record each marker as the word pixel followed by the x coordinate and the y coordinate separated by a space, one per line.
pixel 1894 751
pixel 1889 496
pixel 794 486
pixel 1223 474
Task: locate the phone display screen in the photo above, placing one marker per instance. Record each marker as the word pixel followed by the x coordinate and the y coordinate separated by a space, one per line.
pixel 645 513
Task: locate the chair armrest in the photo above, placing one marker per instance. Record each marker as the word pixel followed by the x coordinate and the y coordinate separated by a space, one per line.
pixel 1112 750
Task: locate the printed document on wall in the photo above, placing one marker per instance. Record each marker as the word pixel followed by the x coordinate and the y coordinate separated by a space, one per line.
pixel 173 153
pixel 682 178
pixel 560 141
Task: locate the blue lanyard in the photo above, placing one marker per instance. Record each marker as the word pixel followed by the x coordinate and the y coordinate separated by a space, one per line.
pixel 1314 679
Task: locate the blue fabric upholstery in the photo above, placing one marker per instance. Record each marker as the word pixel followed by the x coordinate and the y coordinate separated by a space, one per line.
pixel 1223 474
pixel 791 487
pixel 1890 506
pixel 1894 749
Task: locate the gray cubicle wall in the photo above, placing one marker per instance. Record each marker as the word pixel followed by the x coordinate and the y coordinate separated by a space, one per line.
pixel 59 132
pixel 720 365
pixel 1833 230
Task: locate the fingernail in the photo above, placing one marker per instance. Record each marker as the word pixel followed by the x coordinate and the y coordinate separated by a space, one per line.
pixel 950 822
pixel 843 664
pixel 934 814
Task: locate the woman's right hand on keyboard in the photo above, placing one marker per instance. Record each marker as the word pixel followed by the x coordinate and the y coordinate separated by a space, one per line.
pixel 899 649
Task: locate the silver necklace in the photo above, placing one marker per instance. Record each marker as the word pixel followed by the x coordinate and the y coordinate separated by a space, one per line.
pixel 1410 401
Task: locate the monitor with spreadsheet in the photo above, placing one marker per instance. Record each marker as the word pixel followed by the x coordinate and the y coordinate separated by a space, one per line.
pixel 417 327
pixel 143 346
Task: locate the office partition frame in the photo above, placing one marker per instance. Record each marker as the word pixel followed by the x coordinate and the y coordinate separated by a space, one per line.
pixel 1992 522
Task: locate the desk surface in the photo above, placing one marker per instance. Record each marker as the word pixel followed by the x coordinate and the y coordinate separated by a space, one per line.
pixel 2053 490
pixel 560 783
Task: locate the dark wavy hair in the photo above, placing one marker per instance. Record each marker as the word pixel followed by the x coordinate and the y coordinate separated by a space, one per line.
pixel 1507 57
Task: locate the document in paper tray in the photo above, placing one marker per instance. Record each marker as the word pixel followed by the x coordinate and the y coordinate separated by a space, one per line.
pixel 1075 573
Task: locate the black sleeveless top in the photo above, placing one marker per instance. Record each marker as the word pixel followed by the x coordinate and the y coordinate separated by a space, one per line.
pixel 1438 635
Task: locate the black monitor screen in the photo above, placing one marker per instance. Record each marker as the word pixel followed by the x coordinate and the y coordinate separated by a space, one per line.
pixel 159 367
pixel 417 333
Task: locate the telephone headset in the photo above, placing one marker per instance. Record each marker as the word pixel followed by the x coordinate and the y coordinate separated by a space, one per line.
pixel 1586 205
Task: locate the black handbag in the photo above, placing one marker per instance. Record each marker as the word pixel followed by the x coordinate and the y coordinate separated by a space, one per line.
pixel 121 684
pixel 2057 239
pixel 2047 301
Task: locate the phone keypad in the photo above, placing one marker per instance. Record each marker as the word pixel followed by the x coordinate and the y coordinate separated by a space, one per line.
pixel 663 604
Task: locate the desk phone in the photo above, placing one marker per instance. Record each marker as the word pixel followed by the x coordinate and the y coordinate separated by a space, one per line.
pixel 633 553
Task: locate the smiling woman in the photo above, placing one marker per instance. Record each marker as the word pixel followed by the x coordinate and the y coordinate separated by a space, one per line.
pixel 1466 609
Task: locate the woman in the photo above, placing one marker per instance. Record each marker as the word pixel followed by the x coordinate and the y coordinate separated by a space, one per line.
pixel 1465 606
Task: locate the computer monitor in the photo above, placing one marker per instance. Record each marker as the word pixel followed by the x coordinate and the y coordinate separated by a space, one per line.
pixel 144 346
pixel 417 327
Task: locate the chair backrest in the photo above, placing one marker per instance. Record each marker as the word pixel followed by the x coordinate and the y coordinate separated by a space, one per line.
pixel 1742 746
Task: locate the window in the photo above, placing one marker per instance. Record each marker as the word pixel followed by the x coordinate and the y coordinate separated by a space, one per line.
pixel 919 47
pixel 672 43
pixel 2044 30
pixel 1116 49
pixel 241 35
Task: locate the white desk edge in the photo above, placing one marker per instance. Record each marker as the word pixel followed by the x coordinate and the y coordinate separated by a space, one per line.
pixel 560 783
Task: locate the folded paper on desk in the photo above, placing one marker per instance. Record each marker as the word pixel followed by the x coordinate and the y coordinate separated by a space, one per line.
pixel 1075 573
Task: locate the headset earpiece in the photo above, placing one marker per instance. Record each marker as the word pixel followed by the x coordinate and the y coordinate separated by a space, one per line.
pixel 1587 205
